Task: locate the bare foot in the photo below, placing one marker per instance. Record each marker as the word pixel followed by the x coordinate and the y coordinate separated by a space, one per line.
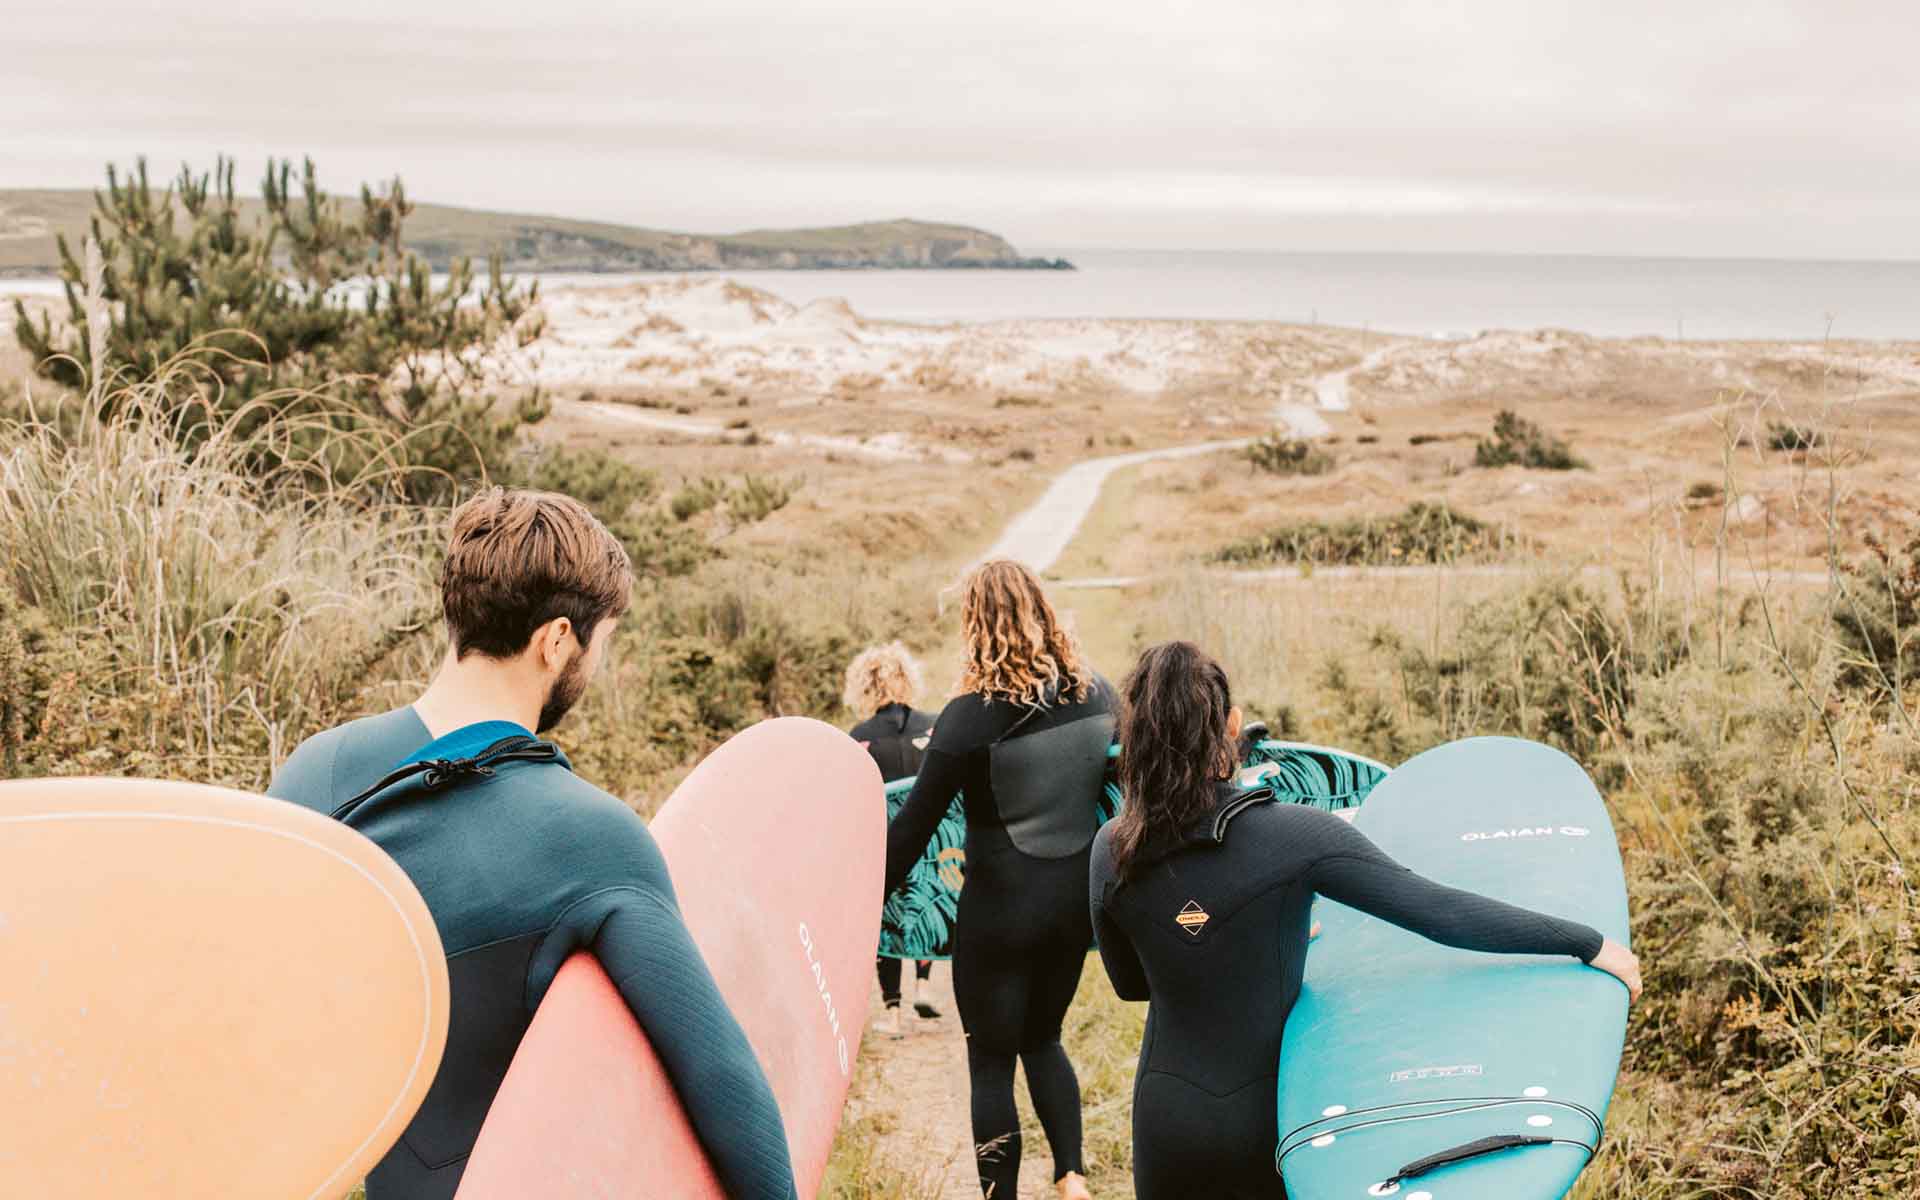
pixel 1073 1186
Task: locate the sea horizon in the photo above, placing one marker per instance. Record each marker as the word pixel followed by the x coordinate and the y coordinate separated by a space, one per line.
pixel 1426 293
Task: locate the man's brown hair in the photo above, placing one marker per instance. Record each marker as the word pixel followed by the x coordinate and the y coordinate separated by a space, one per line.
pixel 517 560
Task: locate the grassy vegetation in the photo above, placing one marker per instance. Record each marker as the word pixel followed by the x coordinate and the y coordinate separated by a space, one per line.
pixel 185 612
pixel 1423 533
pixel 1758 752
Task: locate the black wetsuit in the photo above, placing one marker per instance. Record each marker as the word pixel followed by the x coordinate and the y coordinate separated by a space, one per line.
pixel 1205 1093
pixel 1032 777
pixel 520 868
pixel 897 737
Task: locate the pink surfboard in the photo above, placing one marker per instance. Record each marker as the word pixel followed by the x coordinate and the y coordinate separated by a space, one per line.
pixel 777 847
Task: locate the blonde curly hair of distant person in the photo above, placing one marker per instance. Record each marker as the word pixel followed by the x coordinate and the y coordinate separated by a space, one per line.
pixel 879 676
pixel 1017 647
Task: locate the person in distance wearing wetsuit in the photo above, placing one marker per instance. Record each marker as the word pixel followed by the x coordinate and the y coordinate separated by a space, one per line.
pixel 881 684
pixel 520 861
pixel 1205 1092
pixel 1026 740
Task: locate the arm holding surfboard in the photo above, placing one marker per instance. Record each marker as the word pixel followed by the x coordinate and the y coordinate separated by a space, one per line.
pixel 636 930
pixel 940 779
pixel 1350 869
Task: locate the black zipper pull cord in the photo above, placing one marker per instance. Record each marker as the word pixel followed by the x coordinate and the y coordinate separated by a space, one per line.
pixel 439 772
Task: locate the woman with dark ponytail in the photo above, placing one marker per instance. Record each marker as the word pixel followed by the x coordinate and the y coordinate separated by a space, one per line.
pixel 1201 895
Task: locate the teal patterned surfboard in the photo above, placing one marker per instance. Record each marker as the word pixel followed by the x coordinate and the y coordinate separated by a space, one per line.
pixel 918 920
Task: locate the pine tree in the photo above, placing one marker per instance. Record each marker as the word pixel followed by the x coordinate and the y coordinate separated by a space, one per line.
pixel 296 302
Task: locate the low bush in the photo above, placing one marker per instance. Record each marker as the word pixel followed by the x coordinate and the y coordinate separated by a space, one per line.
pixel 1424 533
pixel 1278 455
pixel 1517 441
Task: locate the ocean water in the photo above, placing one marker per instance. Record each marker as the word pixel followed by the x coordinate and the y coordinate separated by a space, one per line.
pixel 1429 294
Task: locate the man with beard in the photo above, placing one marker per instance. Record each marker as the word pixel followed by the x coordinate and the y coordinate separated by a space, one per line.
pixel 520 861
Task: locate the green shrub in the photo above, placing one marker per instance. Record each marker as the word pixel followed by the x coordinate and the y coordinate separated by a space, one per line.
pixel 1769 844
pixel 752 499
pixel 1518 441
pixel 626 498
pixel 1783 435
pixel 1424 533
pixel 1278 455
pixel 299 304
pixel 1877 616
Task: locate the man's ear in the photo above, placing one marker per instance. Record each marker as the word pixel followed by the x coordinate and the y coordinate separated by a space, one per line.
pixel 550 640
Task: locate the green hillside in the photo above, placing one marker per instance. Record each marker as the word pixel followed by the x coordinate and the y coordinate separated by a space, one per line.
pixel 30 219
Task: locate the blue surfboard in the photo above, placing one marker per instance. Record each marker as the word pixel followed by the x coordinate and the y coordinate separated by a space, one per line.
pixel 918 920
pixel 1400 1050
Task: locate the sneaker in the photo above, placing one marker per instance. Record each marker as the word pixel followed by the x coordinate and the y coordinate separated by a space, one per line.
pixel 890 1023
pixel 926 1012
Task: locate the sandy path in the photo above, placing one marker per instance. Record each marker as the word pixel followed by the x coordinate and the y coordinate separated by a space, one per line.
pixel 921 1083
pixel 1038 536
pixel 1041 534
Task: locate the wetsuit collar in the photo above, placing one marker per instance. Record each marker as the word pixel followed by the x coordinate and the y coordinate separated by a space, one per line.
pixel 899 713
pixel 467 741
pixel 1210 827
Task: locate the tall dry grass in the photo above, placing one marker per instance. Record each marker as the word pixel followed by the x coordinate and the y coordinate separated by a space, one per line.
pixel 1754 734
pixel 180 611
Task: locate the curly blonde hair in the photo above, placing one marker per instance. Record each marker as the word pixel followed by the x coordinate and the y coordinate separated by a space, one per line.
pixel 1017 647
pixel 879 676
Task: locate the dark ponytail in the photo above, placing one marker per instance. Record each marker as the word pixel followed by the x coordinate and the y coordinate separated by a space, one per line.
pixel 1174 745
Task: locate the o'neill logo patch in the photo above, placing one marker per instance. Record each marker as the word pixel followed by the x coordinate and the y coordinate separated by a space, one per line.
pixel 1192 918
pixel 1528 831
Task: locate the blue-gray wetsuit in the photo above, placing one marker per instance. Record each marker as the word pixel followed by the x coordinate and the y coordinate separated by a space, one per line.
pixel 521 868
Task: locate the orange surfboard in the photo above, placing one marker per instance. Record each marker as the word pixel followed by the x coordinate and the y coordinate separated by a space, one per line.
pixel 777 847
pixel 204 993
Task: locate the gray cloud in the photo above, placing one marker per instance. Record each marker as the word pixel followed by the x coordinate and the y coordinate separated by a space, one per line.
pixel 1784 128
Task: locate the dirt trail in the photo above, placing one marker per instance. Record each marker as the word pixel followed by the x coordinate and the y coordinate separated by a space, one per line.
pixel 918 1081
pixel 1041 534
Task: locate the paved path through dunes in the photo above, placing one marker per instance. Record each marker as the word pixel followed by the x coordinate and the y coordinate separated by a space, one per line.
pixel 1041 534
pixel 1038 536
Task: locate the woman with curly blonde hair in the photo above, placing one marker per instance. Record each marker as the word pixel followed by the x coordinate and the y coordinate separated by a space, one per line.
pixel 882 682
pixel 1026 742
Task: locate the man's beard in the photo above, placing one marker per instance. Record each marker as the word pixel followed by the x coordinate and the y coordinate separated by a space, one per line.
pixel 565 692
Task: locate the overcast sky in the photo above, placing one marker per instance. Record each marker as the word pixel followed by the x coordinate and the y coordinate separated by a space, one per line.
pixel 1788 129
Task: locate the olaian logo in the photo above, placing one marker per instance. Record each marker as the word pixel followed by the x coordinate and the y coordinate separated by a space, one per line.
pixel 1529 831
pixel 1417 1073
pixel 826 997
